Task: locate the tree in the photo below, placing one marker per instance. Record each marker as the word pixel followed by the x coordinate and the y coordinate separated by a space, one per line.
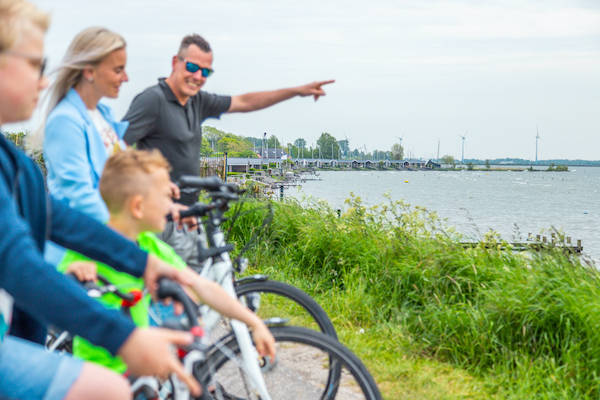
pixel 212 135
pixel 487 164
pixel 205 149
pixel 448 159
pixel 217 141
pixel 273 142
pixel 397 151
pixel 344 146
pixel 300 143
pixel 328 145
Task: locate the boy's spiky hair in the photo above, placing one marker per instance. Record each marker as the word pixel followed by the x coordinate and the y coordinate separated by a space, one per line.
pixel 124 175
pixel 14 16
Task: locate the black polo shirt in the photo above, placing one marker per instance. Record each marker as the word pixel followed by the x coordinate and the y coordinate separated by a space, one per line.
pixel 158 121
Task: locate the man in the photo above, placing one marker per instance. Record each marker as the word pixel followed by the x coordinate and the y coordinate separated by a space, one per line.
pixel 27 219
pixel 169 116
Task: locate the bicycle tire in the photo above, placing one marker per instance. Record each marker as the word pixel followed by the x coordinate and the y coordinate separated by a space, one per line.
pixel 296 295
pixel 286 337
pixel 302 299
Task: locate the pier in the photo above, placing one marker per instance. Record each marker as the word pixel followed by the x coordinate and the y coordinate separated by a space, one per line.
pixel 538 243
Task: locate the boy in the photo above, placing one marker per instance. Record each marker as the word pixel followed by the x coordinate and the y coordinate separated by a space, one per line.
pixel 135 186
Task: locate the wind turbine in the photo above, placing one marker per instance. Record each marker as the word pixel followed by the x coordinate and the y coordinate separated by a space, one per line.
pixel 462 158
pixel 537 138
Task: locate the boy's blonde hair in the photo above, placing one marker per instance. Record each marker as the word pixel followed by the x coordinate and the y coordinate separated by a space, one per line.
pixel 126 174
pixel 14 17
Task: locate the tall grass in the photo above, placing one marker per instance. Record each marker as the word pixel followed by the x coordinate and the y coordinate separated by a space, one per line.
pixel 528 323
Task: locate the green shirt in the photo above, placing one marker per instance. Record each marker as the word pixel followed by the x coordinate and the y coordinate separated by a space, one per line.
pixel 139 313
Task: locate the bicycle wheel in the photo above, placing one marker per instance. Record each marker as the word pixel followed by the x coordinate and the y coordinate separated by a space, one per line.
pixel 278 299
pixel 300 371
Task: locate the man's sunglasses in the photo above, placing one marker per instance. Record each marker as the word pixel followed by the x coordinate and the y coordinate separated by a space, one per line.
pixel 193 68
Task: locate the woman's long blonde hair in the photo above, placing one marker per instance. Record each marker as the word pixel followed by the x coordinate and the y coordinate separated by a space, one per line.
pixel 88 48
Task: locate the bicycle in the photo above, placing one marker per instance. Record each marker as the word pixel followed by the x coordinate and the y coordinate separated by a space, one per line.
pixel 216 264
pixel 213 365
pixel 257 290
pixel 62 341
pixel 220 366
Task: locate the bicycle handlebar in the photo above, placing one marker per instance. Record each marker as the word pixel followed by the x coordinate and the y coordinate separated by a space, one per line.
pixel 212 183
pixel 169 289
pixel 197 210
pixel 95 290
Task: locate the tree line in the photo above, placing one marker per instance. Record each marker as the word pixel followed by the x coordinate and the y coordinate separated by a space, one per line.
pixel 216 142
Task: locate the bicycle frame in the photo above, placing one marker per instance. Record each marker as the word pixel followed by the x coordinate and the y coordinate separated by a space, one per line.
pixel 221 271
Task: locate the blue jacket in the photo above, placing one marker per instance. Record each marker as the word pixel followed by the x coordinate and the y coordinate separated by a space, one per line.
pixel 75 156
pixel 42 296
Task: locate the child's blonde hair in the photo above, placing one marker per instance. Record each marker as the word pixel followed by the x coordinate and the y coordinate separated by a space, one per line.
pixel 125 175
pixel 14 17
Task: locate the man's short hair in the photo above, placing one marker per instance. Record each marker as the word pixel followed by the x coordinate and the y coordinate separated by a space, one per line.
pixel 125 174
pixel 195 39
pixel 14 17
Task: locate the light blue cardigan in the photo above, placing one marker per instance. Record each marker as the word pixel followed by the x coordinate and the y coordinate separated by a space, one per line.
pixel 75 156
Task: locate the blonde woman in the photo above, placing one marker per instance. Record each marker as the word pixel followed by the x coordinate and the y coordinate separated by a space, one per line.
pixel 81 132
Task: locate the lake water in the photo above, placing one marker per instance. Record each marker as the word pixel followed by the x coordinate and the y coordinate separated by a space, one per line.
pixel 476 201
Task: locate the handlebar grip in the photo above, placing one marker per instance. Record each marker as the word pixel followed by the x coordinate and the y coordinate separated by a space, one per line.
pixel 224 196
pixel 167 288
pixel 189 181
pixel 212 183
pixel 197 210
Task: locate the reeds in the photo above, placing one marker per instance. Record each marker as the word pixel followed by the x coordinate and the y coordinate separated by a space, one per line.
pixel 528 324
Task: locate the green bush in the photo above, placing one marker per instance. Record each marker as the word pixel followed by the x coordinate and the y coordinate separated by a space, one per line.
pixel 18 138
pixel 530 322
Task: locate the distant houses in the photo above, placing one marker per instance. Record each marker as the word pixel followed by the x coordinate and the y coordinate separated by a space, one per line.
pixel 271 153
pixel 277 158
pixel 365 164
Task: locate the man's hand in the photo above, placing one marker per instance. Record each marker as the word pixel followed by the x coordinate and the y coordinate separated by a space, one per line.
pixel 190 222
pixel 147 351
pixel 175 193
pixel 83 270
pixel 314 89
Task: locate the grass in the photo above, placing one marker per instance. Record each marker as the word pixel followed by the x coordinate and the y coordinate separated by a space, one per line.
pixel 439 321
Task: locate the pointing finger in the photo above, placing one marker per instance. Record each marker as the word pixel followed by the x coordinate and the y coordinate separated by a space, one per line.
pixel 328 82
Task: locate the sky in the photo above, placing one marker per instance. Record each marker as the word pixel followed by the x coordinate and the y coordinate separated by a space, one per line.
pixel 425 71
